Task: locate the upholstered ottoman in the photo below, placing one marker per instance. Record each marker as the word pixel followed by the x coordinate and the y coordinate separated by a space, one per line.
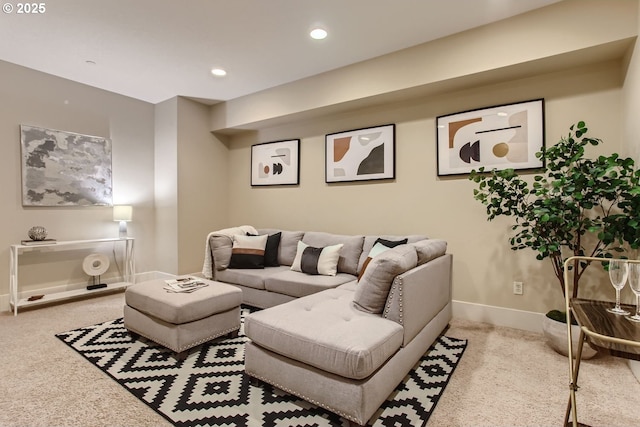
pixel 180 321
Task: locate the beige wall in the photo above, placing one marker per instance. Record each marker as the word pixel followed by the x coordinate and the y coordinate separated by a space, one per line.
pixel 202 184
pixel 38 99
pixel 166 185
pixel 417 201
pixel 631 103
pixel 579 70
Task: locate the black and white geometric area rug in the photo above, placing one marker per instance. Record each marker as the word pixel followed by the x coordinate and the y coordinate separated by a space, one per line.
pixel 209 387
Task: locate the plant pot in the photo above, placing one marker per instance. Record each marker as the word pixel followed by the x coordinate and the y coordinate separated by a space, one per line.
pixel 556 335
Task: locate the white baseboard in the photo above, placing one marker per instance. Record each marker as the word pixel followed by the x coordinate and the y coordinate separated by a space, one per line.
pixel 139 277
pixel 498 316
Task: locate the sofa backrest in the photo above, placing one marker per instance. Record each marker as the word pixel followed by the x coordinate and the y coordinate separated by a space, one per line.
pixel 288 243
pixel 349 254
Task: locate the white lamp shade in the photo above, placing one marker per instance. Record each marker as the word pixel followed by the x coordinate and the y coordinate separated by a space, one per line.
pixel 122 213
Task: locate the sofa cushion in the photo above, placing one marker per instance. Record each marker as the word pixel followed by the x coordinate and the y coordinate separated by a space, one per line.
pixel 298 284
pixel 349 254
pixel 373 287
pixel 251 278
pixel 369 241
pixel 317 261
pixel 248 251
pixel 325 331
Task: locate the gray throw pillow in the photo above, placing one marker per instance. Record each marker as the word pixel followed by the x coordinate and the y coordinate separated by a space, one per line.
pixel 373 288
pixel 221 251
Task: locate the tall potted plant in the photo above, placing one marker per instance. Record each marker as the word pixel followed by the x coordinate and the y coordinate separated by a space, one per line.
pixel 576 206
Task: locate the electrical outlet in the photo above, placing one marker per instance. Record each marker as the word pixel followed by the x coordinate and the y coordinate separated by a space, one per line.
pixel 518 288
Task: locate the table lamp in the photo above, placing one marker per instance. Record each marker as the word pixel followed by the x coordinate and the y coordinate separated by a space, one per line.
pixel 122 214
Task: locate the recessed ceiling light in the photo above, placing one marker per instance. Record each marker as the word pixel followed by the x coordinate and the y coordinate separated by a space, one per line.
pixel 318 33
pixel 219 72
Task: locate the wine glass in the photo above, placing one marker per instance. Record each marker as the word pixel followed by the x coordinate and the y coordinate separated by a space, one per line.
pixel 634 283
pixel 618 273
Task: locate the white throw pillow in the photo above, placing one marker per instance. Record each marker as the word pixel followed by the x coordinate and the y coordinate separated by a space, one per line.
pixel 322 261
pixel 248 251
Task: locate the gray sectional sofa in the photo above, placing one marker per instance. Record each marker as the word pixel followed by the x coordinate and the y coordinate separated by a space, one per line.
pixel 342 341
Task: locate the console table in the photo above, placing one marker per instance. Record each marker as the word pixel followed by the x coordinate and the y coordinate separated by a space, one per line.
pixel 17 250
pixel 609 333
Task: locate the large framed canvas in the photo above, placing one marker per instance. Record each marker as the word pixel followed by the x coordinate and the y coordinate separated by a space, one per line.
pixel 361 154
pixel 499 137
pixel 275 163
pixel 64 168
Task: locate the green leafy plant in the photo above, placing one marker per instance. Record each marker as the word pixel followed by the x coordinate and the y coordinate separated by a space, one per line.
pixel 576 206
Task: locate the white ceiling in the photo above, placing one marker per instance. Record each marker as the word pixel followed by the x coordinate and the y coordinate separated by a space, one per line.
pixel 154 50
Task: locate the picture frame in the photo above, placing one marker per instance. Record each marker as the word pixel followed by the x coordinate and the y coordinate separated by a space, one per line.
pixel 498 137
pixel 361 154
pixel 275 163
pixel 62 168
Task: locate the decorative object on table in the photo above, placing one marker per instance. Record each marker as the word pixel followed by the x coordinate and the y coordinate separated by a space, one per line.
pixel 576 206
pixel 85 161
pixel 185 285
pixel 228 397
pixel 122 214
pixel 37 232
pixel 361 154
pixel 95 265
pixel 618 275
pixel 275 163
pixel 500 137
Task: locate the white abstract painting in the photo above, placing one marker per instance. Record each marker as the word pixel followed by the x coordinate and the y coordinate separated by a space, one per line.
pixel 64 168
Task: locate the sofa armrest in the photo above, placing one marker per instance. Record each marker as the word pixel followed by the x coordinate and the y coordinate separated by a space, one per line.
pixel 418 295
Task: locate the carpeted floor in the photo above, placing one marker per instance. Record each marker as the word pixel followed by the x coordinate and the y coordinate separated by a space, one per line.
pixel 210 387
pixel 506 377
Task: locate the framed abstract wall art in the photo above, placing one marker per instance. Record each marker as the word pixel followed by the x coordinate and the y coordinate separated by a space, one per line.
pixel 64 168
pixel 500 137
pixel 275 163
pixel 360 155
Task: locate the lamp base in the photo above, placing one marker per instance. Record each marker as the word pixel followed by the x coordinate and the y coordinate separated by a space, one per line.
pixel 123 230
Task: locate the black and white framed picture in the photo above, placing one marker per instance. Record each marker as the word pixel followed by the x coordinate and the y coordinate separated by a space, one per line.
pixel 499 137
pixel 360 155
pixel 275 163
pixel 64 168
